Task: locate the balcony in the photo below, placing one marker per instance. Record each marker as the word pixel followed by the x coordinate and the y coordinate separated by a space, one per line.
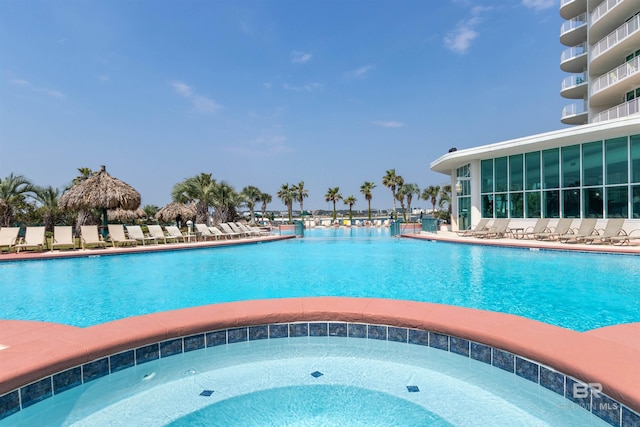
pixel 574 87
pixel 574 114
pixel 622 110
pixel 571 8
pixel 606 53
pixel 574 31
pixel 609 15
pixel 574 59
pixel 608 89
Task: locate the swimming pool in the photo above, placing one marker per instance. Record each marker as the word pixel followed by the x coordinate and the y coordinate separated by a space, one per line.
pixel 573 290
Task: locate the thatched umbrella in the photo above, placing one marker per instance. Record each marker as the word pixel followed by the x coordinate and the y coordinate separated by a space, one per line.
pixel 174 211
pixel 123 215
pixel 100 191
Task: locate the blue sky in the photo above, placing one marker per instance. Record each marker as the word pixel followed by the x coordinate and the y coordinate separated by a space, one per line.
pixel 332 93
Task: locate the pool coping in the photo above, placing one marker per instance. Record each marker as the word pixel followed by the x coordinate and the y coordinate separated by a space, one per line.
pixel 34 351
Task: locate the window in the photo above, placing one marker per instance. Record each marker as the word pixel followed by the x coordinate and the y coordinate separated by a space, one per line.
pixel 486 176
pixel 501 174
pixel 533 205
pixel 487 206
pixel 617 202
pixel 515 173
pixel 616 160
pixel 592 202
pixel 571 166
pixel 551 203
pixel 532 170
pixel 571 203
pixel 635 158
pixel 516 206
pixel 502 205
pixel 592 164
pixel 551 168
pixel 635 201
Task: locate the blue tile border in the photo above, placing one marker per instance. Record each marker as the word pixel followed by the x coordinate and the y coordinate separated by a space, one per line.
pixel 599 404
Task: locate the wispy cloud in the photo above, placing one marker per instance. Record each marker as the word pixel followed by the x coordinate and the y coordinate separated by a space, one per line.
pixel 300 57
pixel 539 4
pixel 388 124
pixel 360 72
pixel 263 145
pixel 27 85
pixel 459 39
pixel 200 103
pixel 309 87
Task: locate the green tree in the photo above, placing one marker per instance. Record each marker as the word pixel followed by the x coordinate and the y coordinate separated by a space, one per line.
pixel 252 196
pixel 226 201
pixel 431 193
pixel 287 195
pixel 48 200
pixel 351 200
pixel 333 195
pixel 409 190
pixel 365 189
pixel 14 191
pixel 150 211
pixel 393 182
pixel 202 190
pixel 265 198
pixel 445 201
pixel 299 194
pixel 400 196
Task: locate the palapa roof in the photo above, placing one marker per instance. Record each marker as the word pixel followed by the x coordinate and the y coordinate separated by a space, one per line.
pixel 173 209
pixel 100 191
pixel 125 215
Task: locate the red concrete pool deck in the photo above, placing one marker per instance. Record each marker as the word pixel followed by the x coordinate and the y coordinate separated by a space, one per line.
pixel 610 356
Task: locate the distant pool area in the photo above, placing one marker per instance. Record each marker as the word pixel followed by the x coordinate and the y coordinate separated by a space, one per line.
pixel 572 290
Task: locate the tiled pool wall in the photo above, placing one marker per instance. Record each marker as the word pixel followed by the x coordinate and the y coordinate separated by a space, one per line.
pixel 588 398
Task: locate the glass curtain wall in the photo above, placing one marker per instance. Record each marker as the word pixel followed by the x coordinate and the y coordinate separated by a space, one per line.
pixel 463 194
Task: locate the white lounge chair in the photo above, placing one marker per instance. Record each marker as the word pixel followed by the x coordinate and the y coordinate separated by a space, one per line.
pixel 135 232
pixel 499 229
pixel 8 238
pixel 480 226
pixel 63 237
pixel 613 229
pixel 219 234
pixel 118 237
pixel 205 233
pixel 175 233
pixel 89 237
pixel 157 232
pixel 227 230
pixel 33 239
pixel 562 227
pixel 541 226
pixel 586 229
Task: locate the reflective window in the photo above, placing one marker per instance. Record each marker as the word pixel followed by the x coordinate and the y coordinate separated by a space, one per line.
pixel 486 174
pixel 533 205
pixel 516 205
pixel 516 173
pixel 551 204
pixel 501 174
pixel 571 166
pixel 571 203
pixel 532 170
pixel 635 201
pixel 502 205
pixel 487 206
pixel 592 164
pixel 464 213
pixel 616 160
pixel 635 158
pixel 550 160
pixel 617 202
pixel 592 200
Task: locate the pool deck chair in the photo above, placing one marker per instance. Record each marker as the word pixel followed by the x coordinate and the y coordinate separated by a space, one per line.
pixel 8 238
pixel 227 230
pixel 89 237
pixel 219 234
pixel 135 232
pixel 541 226
pixel 562 227
pixel 498 230
pixel 175 233
pixel 118 237
pixel 612 229
pixel 33 239
pixel 235 227
pixel 157 232
pixel 205 233
pixel 480 226
pixel 625 238
pixel 63 237
pixel 586 229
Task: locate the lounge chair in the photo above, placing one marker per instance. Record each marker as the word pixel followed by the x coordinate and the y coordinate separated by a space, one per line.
pixel 625 237
pixel 227 230
pixel 89 237
pixel 8 237
pixel 135 232
pixel 257 231
pixel 205 233
pixel 219 234
pixel 562 227
pixel 175 233
pixel 586 229
pixel 157 232
pixel 63 237
pixel 480 226
pixel 235 227
pixel 612 229
pixel 541 226
pixel 118 237
pixel 33 239
pixel 498 230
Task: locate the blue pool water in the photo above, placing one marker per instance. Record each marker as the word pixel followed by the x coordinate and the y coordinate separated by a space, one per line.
pixel 574 290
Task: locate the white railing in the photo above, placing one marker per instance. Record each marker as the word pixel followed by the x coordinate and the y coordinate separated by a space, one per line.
pixel 612 77
pixel 622 110
pixel 573 109
pixel 576 22
pixel 563 2
pixel 602 9
pixel 572 52
pixel 572 81
pixel 616 36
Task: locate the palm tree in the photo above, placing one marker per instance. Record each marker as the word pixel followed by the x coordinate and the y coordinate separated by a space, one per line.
pixel 392 181
pixel 14 190
pixel 333 195
pixel 201 189
pixel 300 193
pixel 431 193
pixel 84 217
pixel 287 195
pixel 265 198
pixel 409 190
pixel 445 199
pixel 252 196
pixel 351 200
pixel 226 201
pixel 150 211
pixel 365 189
pixel 400 195
pixel 48 198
